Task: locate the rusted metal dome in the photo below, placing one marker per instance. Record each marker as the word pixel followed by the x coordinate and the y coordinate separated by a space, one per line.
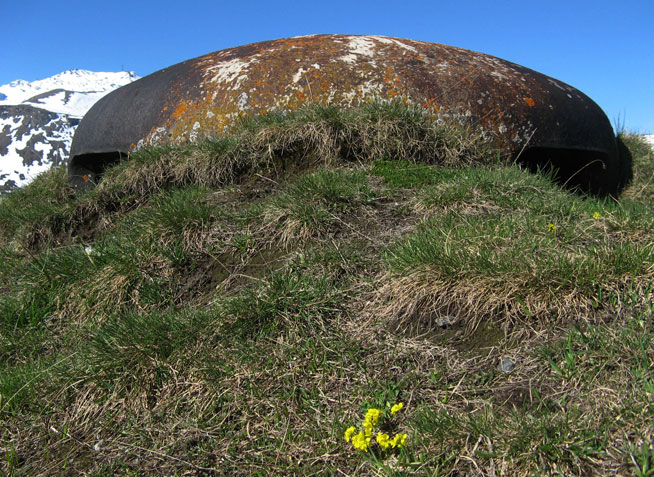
pixel 539 120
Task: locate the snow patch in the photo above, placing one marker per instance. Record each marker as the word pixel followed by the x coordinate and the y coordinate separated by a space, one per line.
pixel 90 85
pixel 13 167
pixel 68 102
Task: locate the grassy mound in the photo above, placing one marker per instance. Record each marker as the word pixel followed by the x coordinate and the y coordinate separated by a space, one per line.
pixel 233 306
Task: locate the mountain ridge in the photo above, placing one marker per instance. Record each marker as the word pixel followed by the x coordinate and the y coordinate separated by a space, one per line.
pixel 38 119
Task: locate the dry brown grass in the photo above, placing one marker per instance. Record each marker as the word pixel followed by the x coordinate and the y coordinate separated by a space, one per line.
pixel 315 136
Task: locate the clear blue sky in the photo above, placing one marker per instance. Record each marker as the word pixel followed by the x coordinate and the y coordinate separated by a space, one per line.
pixel 603 47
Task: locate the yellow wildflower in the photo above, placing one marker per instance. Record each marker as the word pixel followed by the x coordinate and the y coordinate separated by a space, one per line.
pixel 551 227
pixel 596 215
pixel 361 442
pixel 399 441
pixel 372 416
pixel 396 408
pixel 348 433
pixel 383 440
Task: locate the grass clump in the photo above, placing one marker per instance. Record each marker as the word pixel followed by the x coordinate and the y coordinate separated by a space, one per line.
pixel 316 202
pixel 643 154
pixel 46 199
pixel 286 300
pixel 233 306
pixel 522 251
pixel 281 142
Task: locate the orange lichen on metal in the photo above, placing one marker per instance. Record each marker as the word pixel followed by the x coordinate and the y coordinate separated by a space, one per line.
pixel 339 70
pixel 179 110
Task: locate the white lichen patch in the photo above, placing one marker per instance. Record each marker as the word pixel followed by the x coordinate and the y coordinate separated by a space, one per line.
pixel 157 136
pixel 298 74
pixel 243 101
pixel 369 90
pixel 443 66
pixel 393 41
pixel 498 75
pixel 359 46
pixel 231 73
pixel 194 132
pixel 349 58
pixel 496 68
pixel 558 84
pixel 524 133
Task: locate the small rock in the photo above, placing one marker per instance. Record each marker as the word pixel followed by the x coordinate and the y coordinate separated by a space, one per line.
pixel 506 365
pixel 445 321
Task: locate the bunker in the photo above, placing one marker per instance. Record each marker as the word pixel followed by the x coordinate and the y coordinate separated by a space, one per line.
pixel 538 120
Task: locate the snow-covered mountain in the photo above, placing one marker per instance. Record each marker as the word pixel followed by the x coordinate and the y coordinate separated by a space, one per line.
pixel 38 119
